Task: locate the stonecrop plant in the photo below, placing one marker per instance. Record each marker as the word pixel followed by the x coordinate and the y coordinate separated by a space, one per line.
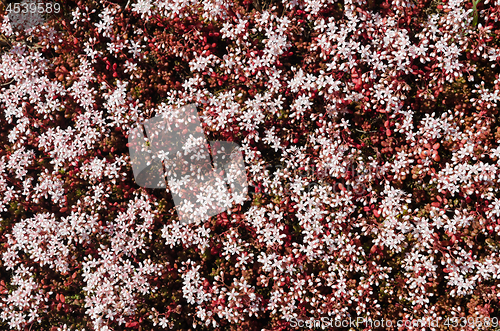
pixel 371 140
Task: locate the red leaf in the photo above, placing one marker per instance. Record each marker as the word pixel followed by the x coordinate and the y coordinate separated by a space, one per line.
pixel 131 324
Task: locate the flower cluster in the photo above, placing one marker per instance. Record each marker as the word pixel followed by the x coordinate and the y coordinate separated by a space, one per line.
pixel 369 131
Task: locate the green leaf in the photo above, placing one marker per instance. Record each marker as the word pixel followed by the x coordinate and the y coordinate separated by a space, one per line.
pixel 475 13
